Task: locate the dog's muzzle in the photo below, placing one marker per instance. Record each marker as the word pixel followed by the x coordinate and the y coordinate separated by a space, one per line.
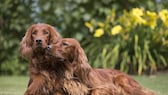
pixel 38 42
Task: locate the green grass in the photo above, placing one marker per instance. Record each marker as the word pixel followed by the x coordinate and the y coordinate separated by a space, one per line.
pixel 13 85
pixel 16 85
pixel 157 83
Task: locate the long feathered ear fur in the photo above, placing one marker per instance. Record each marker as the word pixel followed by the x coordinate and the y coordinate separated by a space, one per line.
pixel 54 35
pixel 80 56
pixel 83 70
pixel 26 43
pixel 82 67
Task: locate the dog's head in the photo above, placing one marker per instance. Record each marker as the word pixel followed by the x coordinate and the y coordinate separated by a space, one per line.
pixel 37 37
pixel 40 35
pixel 67 49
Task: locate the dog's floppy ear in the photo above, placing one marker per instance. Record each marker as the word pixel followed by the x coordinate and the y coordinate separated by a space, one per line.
pixel 54 35
pixel 26 43
pixel 80 56
pixel 81 68
pixel 28 38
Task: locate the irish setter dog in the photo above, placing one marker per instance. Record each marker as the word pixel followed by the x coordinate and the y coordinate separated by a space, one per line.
pixel 79 78
pixel 33 47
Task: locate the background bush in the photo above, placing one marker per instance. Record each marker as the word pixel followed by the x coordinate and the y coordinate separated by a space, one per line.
pixel 134 42
pixel 137 53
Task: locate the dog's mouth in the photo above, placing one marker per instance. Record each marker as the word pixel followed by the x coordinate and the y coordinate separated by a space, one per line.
pixel 38 45
pixel 39 49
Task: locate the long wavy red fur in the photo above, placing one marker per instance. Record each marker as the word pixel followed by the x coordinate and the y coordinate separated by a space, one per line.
pixel 42 80
pixel 92 81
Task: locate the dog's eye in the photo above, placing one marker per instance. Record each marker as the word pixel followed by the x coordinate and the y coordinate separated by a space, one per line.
pixel 45 32
pixel 34 32
pixel 65 44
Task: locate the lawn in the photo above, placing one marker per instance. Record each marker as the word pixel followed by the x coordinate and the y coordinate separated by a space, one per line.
pixel 16 85
pixel 13 85
pixel 157 83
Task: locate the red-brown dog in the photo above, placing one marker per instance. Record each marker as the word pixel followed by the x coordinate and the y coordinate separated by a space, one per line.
pixel 32 47
pixel 81 79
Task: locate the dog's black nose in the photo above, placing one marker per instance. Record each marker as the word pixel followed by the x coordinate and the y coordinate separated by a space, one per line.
pixel 38 41
pixel 49 47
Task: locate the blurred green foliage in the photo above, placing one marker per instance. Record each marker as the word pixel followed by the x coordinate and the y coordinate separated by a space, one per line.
pixel 137 45
pixel 14 19
pixel 69 18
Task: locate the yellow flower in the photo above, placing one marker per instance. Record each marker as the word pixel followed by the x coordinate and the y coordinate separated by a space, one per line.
pixel 101 24
pixel 126 19
pixel 116 30
pixel 90 26
pixel 99 32
pixel 152 19
pixel 137 14
pixel 163 14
